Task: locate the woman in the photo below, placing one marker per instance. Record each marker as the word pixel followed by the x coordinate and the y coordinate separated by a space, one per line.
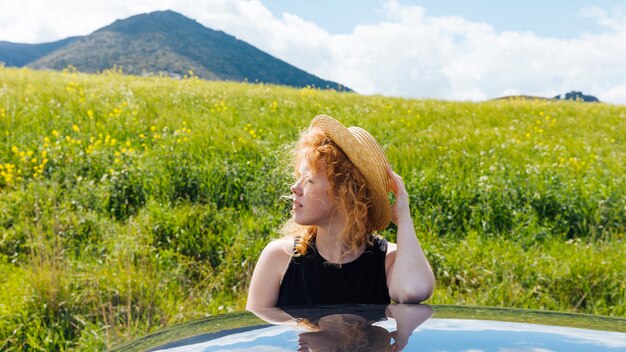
pixel 331 254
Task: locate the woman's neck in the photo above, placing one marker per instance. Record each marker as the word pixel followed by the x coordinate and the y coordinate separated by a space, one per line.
pixel 328 243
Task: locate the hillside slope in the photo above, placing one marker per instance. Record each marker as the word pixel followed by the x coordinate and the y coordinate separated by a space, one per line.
pixel 132 203
pixel 170 43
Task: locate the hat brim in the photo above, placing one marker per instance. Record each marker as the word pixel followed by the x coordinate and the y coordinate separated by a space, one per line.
pixel 369 158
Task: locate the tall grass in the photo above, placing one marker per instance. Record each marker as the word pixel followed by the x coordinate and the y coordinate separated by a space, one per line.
pixel 128 204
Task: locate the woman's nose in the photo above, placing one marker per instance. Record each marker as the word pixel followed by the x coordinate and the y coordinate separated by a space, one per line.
pixel 296 189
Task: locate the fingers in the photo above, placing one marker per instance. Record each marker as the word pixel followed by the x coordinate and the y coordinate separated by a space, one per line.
pixel 397 183
pixel 393 175
pixel 400 208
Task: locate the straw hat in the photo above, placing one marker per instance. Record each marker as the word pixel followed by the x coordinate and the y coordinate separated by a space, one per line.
pixel 369 158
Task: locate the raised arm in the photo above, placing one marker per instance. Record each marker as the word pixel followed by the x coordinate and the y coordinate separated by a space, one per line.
pixel 410 278
pixel 268 272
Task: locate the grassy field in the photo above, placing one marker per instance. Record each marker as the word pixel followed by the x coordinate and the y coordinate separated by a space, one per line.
pixel 128 204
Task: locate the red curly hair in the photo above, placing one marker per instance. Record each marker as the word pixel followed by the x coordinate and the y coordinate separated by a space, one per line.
pixel 348 190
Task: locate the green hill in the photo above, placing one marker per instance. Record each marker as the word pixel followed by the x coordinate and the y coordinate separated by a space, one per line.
pixel 131 203
pixel 166 42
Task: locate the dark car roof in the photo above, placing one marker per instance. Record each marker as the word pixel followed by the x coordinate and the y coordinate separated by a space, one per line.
pixel 449 328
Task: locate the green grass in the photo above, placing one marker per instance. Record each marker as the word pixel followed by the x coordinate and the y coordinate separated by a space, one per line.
pixel 129 204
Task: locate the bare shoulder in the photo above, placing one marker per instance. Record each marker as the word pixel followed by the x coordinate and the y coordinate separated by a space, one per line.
pixel 277 254
pixel 391 247
pixel 390 259
pixel 280 248
pixel 268 274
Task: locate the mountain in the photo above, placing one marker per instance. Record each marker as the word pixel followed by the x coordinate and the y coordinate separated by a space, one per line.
pixel 16 54
pixel 170 43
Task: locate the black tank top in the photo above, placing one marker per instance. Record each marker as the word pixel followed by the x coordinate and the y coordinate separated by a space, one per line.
pixel 310 280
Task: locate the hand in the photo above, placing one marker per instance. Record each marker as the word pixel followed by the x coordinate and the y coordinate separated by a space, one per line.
pixel 400 209
pixel 399 342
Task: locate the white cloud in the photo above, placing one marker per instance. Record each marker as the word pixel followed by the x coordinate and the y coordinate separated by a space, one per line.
pixel 408 53
pixel 236 339
pixel 413 54
pixel 615 20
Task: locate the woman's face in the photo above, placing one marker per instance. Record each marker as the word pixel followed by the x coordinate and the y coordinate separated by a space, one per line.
pixel 312 204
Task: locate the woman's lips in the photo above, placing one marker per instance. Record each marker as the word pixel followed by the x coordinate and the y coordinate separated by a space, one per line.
pixel 296 205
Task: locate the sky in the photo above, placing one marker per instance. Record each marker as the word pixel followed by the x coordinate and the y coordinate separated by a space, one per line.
pixel 461 50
